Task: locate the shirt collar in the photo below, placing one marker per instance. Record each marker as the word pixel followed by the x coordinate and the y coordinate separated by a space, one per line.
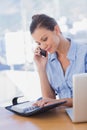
pixel 52 56
pixel 72 51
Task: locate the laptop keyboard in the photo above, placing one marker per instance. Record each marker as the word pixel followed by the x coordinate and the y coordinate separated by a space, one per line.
pixel 24 107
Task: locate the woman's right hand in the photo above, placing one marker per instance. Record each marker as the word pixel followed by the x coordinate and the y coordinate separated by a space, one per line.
pixel 48 101
pixel 39 59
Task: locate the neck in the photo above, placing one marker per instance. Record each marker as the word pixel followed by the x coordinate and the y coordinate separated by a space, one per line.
pixel 63 47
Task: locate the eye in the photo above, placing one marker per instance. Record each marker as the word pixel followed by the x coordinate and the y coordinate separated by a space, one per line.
pixel 45 39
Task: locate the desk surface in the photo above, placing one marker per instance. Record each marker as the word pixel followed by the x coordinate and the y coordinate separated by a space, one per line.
pixel 51 120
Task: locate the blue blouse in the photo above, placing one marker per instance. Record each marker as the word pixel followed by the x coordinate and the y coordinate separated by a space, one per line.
pixel 62 84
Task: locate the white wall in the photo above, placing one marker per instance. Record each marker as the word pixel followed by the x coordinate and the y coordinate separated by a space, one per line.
pixel 16 83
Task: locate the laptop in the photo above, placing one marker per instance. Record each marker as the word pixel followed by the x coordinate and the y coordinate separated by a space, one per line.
pixel 79 111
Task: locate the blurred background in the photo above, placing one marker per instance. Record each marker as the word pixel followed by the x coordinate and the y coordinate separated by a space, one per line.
pixel 18 75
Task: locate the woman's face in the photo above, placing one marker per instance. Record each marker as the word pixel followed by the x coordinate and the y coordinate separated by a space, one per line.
pixel 46 39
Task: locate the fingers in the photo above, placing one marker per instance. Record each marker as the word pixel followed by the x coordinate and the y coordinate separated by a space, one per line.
pixel 40 52
pixel 40 103
pixel 37 51
pixel 43 102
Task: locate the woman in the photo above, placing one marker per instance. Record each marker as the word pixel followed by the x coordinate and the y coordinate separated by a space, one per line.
pixel 63 59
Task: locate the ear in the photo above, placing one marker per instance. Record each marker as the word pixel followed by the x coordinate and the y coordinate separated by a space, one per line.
pixel 57 29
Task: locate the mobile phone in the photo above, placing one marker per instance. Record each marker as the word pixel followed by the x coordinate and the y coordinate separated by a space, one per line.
pixel 43 52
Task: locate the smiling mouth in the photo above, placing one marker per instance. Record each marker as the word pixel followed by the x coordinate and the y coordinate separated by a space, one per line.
pixel 48 49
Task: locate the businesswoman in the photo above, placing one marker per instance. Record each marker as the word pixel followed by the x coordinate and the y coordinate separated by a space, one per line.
pixel 63 59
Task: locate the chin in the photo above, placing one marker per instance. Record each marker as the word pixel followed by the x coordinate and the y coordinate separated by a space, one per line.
pixel 51 52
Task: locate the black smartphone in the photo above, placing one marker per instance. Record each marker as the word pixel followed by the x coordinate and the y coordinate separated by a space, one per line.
pixel 43 52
